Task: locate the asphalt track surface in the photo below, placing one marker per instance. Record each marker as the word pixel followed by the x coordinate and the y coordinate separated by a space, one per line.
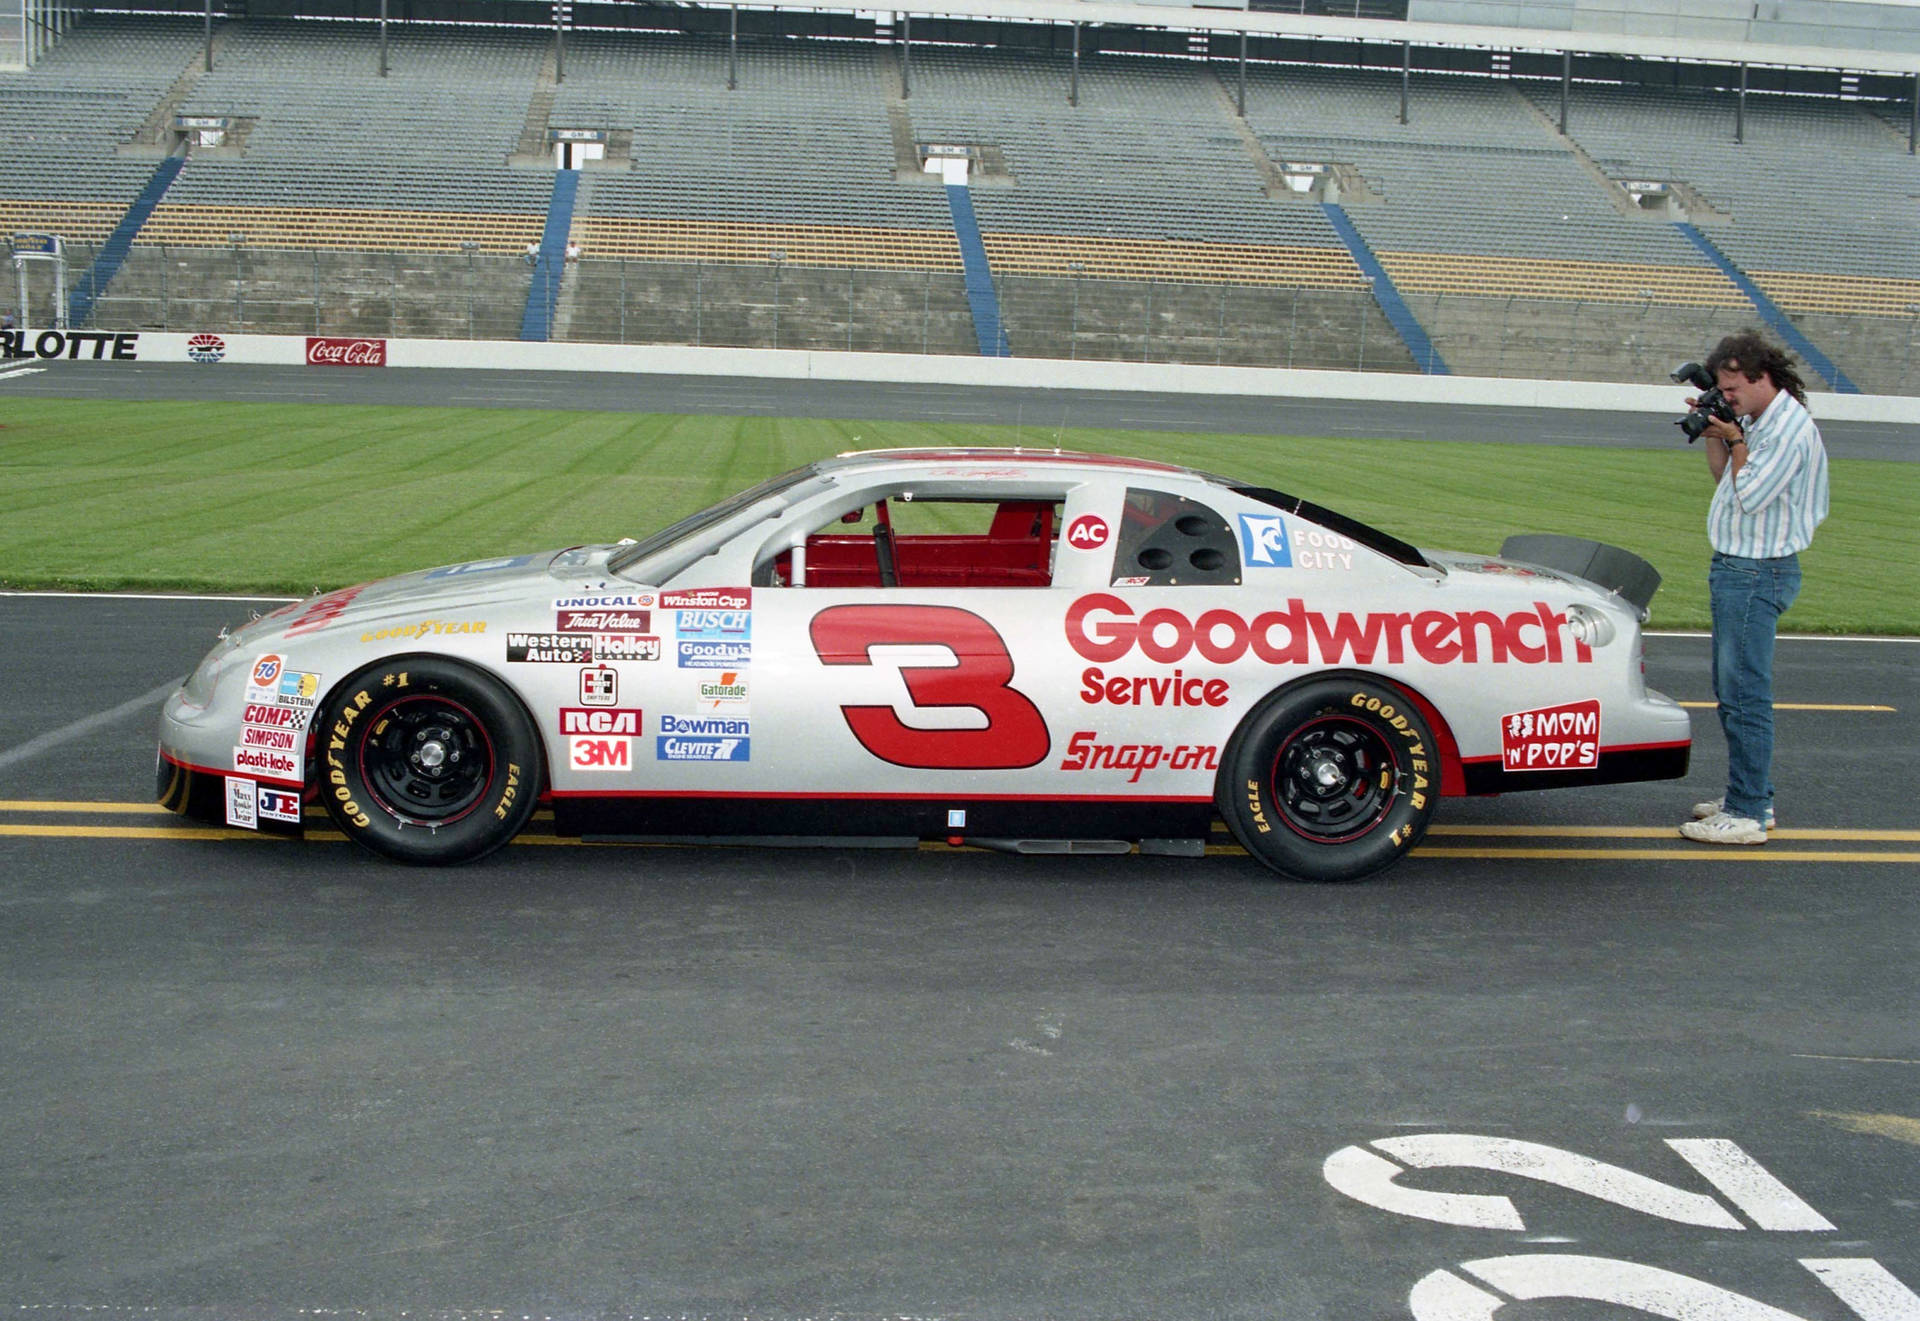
pixel 242 1077
pixel 1043 411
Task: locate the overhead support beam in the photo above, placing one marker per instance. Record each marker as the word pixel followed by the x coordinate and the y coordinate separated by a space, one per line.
pixel 733 47
pixel 383 38
pixel 560 10
pixel 1073 79
pixel 1406 76
pixel 1740 108
pixel 209 36
pixel 906 57
pixel 1241 102
pixel 1913 124
pixel 1566 88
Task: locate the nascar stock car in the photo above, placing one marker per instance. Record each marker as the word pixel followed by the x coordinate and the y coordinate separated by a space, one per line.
pixel 1034 651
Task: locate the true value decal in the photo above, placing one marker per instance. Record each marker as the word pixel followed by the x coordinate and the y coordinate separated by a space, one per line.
pixel 1424 1176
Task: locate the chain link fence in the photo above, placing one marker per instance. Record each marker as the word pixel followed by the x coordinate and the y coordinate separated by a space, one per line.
pixel 478 295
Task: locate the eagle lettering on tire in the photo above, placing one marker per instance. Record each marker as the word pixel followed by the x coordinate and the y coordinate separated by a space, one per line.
pixel 1330 780
pixel 427 760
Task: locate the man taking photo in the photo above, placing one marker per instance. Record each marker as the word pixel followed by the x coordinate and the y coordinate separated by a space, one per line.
pixel 1770 492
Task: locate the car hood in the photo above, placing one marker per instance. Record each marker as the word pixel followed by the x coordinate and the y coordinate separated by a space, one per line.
pixel 439 600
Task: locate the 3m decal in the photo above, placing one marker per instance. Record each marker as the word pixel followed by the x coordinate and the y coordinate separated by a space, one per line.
pixel 1088 532
pixel 708 598
pixel 599 686
pixel 1102 627
pixel 1552 738
pixel 242 808
pixel 1084 754
pixel 598 720
pixel 279 804
pixel 1263 541
pixel 1177 689
pixel 600 754
pixel 1014 733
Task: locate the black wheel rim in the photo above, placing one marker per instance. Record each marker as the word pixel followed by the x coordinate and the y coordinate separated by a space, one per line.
pixel 1334 779
pixel 426 760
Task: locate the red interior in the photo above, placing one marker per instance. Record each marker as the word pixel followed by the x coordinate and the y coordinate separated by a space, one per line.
pixel 1013 553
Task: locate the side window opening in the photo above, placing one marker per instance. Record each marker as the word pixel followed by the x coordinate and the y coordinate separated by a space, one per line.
pixel 1170 541
pixel 901 541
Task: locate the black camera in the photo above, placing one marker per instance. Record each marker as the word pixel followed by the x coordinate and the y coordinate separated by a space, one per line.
pixel 1710 405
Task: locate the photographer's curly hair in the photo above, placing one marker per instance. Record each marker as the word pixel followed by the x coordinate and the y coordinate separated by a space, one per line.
pixel 1753 357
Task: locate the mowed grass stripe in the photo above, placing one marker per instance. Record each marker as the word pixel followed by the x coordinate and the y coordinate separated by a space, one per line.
pixel 284 498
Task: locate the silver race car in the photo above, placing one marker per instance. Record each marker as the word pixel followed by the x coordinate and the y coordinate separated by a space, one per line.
pixel 1034 651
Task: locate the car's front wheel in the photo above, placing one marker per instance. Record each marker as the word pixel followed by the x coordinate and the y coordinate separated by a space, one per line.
pixel 426 760
pixel 1330 780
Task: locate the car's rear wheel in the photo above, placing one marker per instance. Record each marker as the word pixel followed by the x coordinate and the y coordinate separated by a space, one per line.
pixel 1330 780
pixel 426 760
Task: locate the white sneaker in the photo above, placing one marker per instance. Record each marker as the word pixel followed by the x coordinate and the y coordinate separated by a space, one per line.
pixel 1701 811
pixel 1723 829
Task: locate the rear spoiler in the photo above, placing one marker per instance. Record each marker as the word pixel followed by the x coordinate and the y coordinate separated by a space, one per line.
pixel 1619 571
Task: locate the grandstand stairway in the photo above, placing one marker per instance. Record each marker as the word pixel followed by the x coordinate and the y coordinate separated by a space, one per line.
pixel 94 280
pixel 1771 312
pixel 981 297
pixel 543 289
pixel 1398 314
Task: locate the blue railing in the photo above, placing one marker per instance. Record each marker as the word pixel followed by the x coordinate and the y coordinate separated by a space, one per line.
pixel 94 280
pixel 543 290
pixel 987 328
pixel 1770 311
pixel 1399 315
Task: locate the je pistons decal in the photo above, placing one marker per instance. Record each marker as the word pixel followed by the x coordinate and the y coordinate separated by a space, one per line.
pixel 551 648
pixel 1552 738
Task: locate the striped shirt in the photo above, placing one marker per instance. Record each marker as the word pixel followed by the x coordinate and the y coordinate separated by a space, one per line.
pixel 1772 506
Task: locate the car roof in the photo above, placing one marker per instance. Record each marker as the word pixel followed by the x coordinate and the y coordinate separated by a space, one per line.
pixel 853 459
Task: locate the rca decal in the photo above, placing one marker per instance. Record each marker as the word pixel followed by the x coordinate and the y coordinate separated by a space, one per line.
pixel 1552 738
pixel 1102 627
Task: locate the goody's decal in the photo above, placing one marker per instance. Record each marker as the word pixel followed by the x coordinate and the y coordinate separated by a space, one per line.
pixel 481 566
pixel 714 655
pixel 723 625
pixel 1552 738
pixel 1263 541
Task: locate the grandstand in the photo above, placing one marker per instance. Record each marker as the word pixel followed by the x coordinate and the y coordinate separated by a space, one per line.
pixel 768 191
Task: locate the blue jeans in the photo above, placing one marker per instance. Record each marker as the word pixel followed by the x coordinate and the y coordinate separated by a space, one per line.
pixel 1748 598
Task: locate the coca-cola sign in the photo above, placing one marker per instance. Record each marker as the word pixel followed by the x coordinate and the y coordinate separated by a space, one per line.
pixel 326 351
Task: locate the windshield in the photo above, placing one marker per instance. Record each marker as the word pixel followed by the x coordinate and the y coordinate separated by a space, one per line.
pixel 711 516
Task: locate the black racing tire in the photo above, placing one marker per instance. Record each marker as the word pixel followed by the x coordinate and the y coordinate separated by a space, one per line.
pixel 426 760
pixel 1330 780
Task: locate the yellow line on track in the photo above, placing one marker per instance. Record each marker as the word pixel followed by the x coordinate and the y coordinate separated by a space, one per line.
pixel 1665 832
pixel 96 809
pixel 1802 706
pixel 1689 854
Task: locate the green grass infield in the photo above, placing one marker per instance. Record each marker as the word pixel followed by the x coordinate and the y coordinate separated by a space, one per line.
pixel 287 498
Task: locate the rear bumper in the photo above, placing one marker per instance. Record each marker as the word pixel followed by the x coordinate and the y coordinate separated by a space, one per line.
pixel 1653 761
